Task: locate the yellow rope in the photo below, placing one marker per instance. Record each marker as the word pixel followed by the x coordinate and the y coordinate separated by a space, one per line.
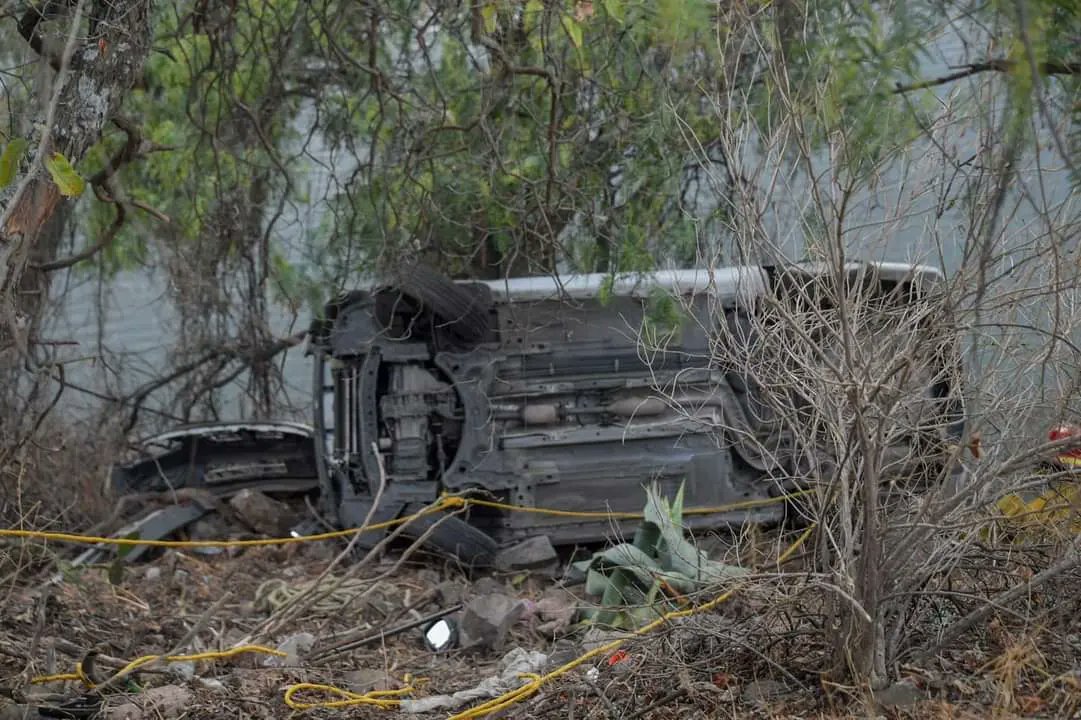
pixel 446 502
pixel 536 682
pixel 79 674
pixel 442 504
pixel 604 514
pixel 382 699
pixel 55 678
pixel 796 545
pixel 388 699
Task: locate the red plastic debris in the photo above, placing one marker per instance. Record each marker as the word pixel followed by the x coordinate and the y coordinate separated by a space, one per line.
pixel 1071 458
pixel 617 657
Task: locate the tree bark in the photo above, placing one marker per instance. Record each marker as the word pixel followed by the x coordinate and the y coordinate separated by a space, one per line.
pixel 104 65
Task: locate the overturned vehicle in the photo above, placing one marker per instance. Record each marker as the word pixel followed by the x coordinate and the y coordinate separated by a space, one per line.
pixel 570 394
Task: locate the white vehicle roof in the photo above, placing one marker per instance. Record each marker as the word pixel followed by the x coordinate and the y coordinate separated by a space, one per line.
pixel 725 283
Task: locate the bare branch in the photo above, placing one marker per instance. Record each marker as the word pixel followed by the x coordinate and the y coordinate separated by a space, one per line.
pixel 1047 67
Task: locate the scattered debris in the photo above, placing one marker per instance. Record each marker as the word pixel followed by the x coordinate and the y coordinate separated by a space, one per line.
pixel 184 671
pixel 535 554
pixel 211 527
pixel 487 619
pixel 294 647
pixel 211 684
pixel 554 612
pixel 352 641
pixel 158 702
pixel 442 635
pixel 262 513
pixel 513 665
pixel 157 525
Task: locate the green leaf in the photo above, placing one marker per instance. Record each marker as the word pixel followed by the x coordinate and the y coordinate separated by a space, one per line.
pixel 532 14
pixel 676 511
pixel 69 181
pixel 574 30
pixel 116 571
pixel 122 551
pixel 597 583
pixel 615 10
pixel 9 161
pixel 646 537
pixel 487 13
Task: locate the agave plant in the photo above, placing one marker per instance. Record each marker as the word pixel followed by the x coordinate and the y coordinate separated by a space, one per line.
pixel 638 581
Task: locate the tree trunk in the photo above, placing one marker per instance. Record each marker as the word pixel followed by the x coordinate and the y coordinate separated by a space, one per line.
pixel 104 64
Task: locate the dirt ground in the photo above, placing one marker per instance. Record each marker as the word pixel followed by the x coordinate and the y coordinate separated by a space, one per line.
pixel 733 662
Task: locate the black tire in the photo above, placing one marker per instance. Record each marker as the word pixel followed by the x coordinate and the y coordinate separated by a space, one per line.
pixel 455 537
pixel 463 308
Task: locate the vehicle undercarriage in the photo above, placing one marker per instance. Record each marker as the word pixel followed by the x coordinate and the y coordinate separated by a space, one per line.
pixel 567 394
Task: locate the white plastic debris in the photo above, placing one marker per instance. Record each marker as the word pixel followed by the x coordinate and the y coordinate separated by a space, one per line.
pixel 294 647
pixel 513 664
pixel 182 670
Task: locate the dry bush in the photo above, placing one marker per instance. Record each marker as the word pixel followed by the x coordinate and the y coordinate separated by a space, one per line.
pixel 908 560
pixel 55 481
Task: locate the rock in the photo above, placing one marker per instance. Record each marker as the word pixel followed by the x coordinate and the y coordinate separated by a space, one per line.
pixel 449 593
pixel 536 553
pixel 153 573
pixel 261 513
pixel 899 695
pixel 158 702
pixel 487 619
pixel 761 692
pixel 294 647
